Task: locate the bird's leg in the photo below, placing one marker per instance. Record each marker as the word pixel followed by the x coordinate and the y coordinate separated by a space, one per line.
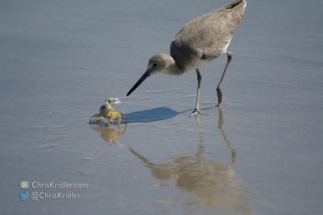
pixel 218 89
pixel 197 106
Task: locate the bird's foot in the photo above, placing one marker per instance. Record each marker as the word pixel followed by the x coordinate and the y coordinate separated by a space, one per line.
pixel 197 112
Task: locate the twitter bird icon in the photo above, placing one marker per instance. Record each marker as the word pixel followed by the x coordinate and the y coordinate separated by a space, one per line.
pixel 24 196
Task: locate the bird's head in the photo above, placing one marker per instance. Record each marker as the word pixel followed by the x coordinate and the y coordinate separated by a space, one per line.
pixel 159 63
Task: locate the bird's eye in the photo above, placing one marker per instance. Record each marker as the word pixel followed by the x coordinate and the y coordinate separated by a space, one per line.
pixel 155 64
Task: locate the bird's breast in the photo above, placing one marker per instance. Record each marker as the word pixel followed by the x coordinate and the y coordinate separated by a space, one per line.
pixel 197 63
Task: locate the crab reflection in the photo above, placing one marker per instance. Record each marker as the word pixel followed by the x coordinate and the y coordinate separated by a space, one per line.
pixel 109 134
pixel 206 182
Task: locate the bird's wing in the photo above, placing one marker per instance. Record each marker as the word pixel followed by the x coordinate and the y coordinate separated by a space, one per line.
pixel 208 36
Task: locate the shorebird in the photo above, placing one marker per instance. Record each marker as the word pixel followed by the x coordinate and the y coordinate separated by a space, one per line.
pixel 199 42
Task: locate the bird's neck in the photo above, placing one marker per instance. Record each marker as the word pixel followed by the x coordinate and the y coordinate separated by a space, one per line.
pixel 172 67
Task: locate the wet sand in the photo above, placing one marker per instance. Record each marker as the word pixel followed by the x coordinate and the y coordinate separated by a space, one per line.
pixel 259 154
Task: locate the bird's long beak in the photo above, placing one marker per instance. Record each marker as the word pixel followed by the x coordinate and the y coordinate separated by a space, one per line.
pixel 143 77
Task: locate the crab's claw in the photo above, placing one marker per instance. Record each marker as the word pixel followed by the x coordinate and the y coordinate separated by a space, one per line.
pixel 114 101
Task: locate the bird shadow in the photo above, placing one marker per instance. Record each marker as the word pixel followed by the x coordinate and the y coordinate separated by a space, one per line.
pixel 152 115
pixel 156 114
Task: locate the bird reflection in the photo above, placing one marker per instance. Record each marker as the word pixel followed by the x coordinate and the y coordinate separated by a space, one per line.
pixel 207 183
pixel 109 134
pixel 199 128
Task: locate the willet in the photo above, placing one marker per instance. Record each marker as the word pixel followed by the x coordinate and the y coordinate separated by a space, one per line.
pixel 199 42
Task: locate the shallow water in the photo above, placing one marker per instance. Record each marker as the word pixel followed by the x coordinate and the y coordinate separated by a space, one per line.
pixel 259 154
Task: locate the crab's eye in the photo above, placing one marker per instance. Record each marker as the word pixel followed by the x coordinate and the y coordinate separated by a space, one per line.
pixel 155 64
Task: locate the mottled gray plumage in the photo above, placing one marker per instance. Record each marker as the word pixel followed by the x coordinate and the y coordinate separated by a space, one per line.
pixel 206 37
pixel 199 42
